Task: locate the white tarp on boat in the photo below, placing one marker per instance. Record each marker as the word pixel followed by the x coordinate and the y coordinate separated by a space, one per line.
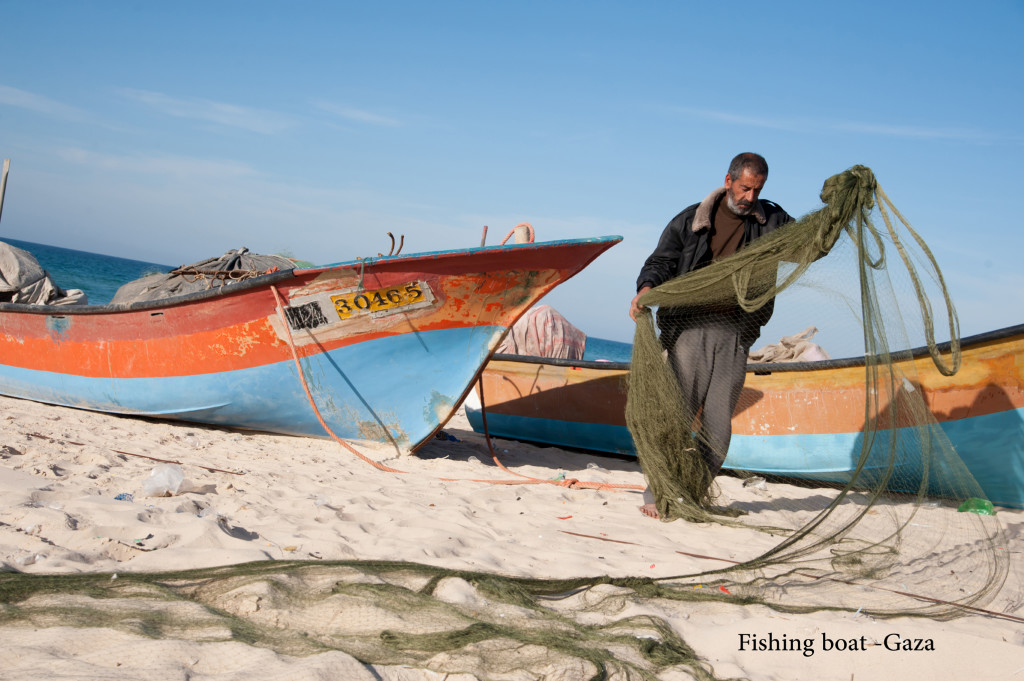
pixel 23 280
pixel 795 348
pixel 544 332
pixel 234 266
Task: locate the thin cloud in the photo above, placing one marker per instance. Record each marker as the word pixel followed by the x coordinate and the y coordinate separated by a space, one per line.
pixel 10 96
pixel 919 132
pixel 178 166
pixel 750 121
pixel 358 115
pixel 230 115
pixel 811 125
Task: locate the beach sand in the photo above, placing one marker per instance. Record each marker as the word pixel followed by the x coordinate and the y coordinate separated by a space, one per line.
pixel 263 497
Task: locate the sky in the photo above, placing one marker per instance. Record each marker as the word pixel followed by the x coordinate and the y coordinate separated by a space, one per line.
pixel 172 132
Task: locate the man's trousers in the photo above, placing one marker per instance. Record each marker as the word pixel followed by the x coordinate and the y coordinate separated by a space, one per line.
pixel 710 364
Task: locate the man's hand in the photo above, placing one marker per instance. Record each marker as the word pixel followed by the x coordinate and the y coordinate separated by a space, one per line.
pixel 634 306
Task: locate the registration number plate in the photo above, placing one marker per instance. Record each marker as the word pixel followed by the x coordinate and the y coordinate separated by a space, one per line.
pixel 381 300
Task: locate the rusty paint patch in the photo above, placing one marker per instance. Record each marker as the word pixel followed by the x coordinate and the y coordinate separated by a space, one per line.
pixel 331 281
pixel 385 427
pixel 382 432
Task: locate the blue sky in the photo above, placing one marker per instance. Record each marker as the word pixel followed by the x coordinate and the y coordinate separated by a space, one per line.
pixel 170 132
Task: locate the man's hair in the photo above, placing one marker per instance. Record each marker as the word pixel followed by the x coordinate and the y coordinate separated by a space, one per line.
pixel 754 163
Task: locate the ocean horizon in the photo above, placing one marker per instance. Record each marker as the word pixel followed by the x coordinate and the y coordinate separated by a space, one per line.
pixel 98 275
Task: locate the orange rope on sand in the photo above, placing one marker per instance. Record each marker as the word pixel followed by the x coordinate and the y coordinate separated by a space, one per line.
pixel 571 483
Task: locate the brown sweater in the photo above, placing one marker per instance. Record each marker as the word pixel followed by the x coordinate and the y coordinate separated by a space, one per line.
pixel 726 231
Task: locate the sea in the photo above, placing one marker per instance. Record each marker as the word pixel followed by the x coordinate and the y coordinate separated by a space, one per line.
pixel 98 275
pixel 101 275
pixel 602 349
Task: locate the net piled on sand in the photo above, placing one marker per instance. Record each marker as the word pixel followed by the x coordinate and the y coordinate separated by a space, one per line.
pixel 866 548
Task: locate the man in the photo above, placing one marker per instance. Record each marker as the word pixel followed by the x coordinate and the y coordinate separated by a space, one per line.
pixel 708 350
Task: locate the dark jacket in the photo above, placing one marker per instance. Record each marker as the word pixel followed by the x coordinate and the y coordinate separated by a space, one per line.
pixel 685 246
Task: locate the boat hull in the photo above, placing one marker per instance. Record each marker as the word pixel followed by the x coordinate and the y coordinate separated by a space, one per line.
pixel 800 420
pixel 387 346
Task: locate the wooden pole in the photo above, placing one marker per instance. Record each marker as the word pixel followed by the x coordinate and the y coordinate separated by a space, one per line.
pixel 3 183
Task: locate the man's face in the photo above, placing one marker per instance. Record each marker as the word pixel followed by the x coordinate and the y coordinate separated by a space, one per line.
pixel 742 193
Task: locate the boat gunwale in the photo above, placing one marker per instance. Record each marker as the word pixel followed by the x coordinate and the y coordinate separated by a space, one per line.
pixel 261 281
pixel 771 367
pixel 264 280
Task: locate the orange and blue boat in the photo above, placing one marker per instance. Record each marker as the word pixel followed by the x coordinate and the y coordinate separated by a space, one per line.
pixel 801 420
pixel 387 346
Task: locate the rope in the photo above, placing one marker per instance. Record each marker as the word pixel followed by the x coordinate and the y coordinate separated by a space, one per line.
pixel 214 275
pixel 309 395
pixel 571 483
pixel 362 271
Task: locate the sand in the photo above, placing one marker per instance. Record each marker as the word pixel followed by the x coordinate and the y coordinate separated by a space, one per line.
pixel 73 498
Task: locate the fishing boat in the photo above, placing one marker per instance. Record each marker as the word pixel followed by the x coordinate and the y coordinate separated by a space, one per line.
pixel 802 420
pixel 387 346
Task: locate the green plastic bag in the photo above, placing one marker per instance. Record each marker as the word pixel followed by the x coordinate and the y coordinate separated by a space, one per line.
pixel 976 505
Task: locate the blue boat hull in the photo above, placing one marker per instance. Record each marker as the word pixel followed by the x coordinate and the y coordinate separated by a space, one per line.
pixel 361 390
pixel 986 444
pixel 802 420
pixel 387 346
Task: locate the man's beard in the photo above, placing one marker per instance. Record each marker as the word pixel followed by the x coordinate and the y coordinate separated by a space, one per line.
pixel 737 209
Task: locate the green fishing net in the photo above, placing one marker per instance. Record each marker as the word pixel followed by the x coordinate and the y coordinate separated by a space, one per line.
pixel 747 281
pixel 903 462
pixel 869 545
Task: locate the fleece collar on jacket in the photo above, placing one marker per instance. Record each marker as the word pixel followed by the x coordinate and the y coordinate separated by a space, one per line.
pixel 702 220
